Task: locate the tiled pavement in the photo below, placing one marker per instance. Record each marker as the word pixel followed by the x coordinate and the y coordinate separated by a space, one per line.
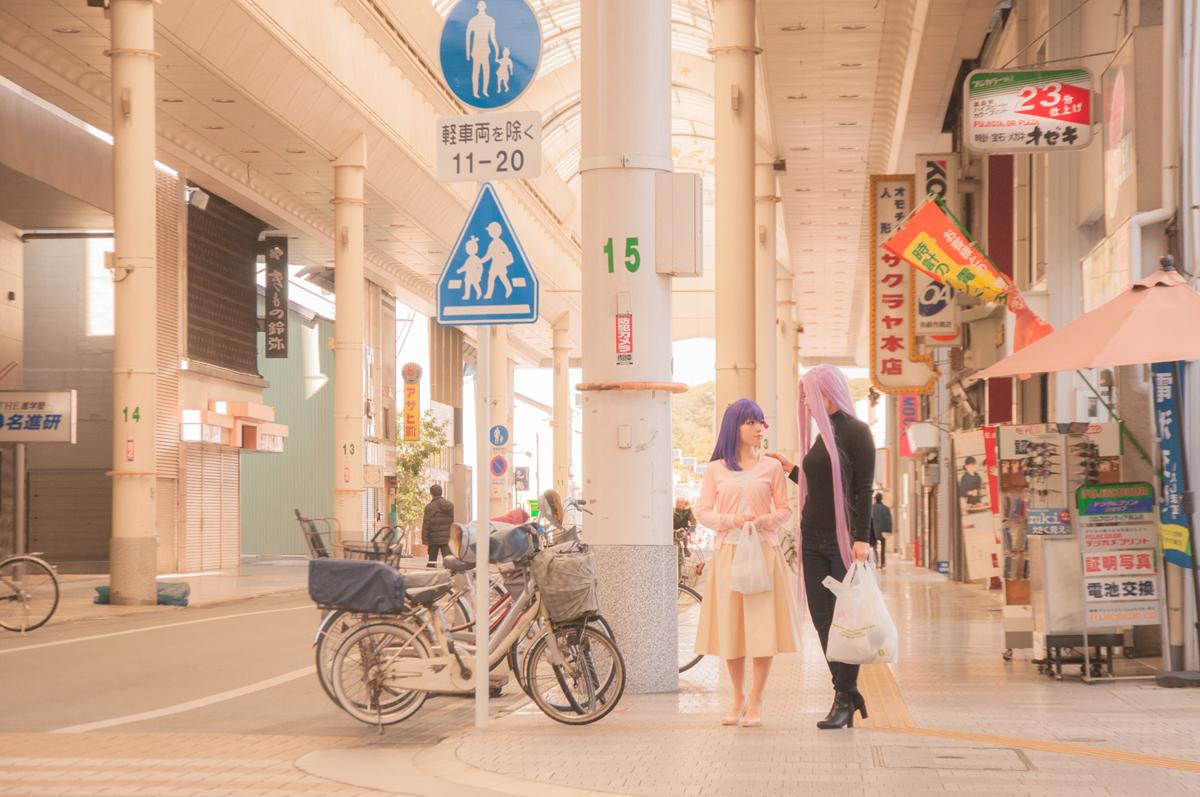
pixel 951 717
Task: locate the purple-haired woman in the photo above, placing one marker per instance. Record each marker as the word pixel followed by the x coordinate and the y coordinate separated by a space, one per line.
pixel 835 519
pixel 741 487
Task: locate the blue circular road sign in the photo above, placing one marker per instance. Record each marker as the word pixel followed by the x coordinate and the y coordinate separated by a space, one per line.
pixel 498 466
pixel 498 435
pixel 490 51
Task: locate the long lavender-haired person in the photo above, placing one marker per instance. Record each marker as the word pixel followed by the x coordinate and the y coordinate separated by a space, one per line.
pixel 740 486
pixel 835 519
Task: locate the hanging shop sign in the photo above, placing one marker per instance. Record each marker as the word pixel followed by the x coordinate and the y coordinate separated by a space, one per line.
pixel 896 367
pixel 275 295
pixel 411 374
pixel 1028 110
pixel 908 412
pixel 1172 523
pixel 1119 549
pixel 937 307
pixel 506 145
pixel 40 417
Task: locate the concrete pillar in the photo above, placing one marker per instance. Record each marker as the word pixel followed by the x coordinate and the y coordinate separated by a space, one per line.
pixel 786 371
pixel 500 413
pixel 133 550
pixel 733 53
pixel 562 405
pixel 349 286
pixel 765 323
pixel 627 445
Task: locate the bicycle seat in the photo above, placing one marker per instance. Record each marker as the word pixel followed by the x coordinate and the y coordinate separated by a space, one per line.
pixel 455 565
pixel 424 589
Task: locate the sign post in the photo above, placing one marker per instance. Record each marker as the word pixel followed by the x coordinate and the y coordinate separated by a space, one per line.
pixel 489 53
pixel 1028 110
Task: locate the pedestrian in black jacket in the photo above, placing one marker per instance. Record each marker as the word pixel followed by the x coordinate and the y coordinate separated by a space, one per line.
pixel 435 527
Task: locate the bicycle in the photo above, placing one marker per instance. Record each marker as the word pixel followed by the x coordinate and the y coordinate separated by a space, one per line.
pixel 384 671
pixel 688 603
pixel 28 590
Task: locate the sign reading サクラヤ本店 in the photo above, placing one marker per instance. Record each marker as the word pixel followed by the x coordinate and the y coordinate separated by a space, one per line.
pixel 1028 110
pixel 37 417
pixel 896 367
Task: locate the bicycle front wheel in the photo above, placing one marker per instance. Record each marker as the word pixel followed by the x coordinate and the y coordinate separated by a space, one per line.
pixel 362 680
pixel 28 593
pixel 688 610
pixel 586 685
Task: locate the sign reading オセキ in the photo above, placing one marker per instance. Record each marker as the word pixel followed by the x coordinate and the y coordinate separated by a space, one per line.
pixel 1028 110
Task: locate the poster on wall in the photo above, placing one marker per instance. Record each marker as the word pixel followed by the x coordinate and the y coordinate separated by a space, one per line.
pixel 978 507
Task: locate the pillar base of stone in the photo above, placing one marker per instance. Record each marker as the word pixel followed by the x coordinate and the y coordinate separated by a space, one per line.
pixel 134 566
pixel 638 597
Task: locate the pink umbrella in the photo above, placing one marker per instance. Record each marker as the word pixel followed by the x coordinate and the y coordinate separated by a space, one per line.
pixel 1154 320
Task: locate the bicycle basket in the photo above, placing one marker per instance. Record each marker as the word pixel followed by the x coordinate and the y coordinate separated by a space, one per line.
pixel 568 584
pixel 371 552
pixel 356 586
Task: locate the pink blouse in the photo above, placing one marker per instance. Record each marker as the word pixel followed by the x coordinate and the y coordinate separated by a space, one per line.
pixel 760 490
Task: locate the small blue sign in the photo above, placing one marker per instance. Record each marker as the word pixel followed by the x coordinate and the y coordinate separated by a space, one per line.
pixel 487 279
pixel 498 435
pixel 1173 522
pixel 498 466
pixel 934 299
pixel 490 51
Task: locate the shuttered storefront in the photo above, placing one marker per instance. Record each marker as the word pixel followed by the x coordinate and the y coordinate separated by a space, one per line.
pixel 70 517
pixel 211 512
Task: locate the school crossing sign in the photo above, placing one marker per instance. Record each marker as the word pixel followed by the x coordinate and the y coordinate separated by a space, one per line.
pixel 487 278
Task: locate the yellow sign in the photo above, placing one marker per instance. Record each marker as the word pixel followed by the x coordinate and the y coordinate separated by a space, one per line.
pixel 926 253
pixel 412 412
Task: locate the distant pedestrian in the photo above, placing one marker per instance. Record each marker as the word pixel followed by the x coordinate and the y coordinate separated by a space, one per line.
pixel 684 519
pixel 881 527
pixel 435 526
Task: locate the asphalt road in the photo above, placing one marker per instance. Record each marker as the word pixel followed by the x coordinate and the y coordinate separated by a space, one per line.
pixel 240 667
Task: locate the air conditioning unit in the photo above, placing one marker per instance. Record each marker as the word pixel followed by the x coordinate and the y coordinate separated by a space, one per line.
pixel 922 435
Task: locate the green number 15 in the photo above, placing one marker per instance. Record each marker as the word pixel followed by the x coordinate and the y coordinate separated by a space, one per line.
pixel 633 258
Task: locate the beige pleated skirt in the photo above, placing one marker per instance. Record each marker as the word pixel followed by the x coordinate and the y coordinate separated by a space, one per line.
pixel 733 625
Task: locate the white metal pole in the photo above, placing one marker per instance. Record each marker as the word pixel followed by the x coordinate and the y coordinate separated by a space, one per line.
pixel 765 386
pixel 348 364
pixel 500 395
pixel 483 377
pixel 733 53
pixel 626 145
pixel 562 408
pixel 134 554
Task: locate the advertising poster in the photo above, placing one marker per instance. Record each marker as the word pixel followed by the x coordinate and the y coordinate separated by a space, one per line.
pixel 1172 522
pixel 1118 544
pixel 1028 110
pixel 981 531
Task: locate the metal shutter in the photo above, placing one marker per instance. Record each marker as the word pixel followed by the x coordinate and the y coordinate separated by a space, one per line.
pixel 70 517
pixel 169 217
pixel 212 537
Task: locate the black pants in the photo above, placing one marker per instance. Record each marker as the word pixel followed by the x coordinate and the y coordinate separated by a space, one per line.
pixel 434 550
pixel 822 558
pixel 882 540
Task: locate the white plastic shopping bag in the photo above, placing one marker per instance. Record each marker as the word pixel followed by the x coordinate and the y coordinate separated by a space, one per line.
pixel 862 630
pixel 750 572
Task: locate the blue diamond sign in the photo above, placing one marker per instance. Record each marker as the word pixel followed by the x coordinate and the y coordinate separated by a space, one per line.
pixel 487 278
pixel 490 50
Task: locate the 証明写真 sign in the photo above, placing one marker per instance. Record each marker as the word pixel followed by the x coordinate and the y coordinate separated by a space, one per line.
pixel 1119 549
pixel 1023 110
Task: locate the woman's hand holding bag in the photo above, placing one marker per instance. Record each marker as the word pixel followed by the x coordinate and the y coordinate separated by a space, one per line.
pixel 750 572
pixel 862 631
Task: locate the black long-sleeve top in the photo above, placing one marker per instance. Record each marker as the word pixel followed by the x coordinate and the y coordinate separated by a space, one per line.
pixel 856 448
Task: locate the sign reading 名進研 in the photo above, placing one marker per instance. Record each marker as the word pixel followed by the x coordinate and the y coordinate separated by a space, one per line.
pixel 624 338
pixel 896 367
pixel 1172 522
pixel 937 307
pixel 490 146
pixel 37 417
pixel 275 296
pixel 1119 548
pixel 1024 110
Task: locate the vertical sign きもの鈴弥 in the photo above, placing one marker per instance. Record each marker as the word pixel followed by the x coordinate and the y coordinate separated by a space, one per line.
pixel 275 296
pixel 896 367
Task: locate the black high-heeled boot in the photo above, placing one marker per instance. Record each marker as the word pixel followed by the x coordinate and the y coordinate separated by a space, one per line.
pixel 841 715
pixel 860 704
